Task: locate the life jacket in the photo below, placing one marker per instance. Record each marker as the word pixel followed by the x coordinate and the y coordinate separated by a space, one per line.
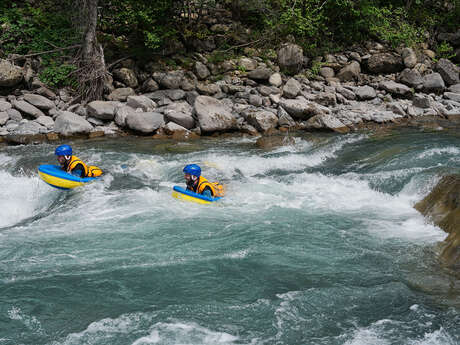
pixel 217 189
pixel 89 171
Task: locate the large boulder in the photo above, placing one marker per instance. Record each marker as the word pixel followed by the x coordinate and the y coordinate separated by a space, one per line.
pixel 292 88
pixel 442 206
pixel 261 73
pixel 213 115
pixel 290 58
pixel 327 121
pixel 39 101
pixel 121 94
pixel 433 82
pixel 365 92
pixel 448 71
pixel 180 113
pixel 409 57
pixel 146 123
pixel 385 63
pixel 170 80
pixel 102 110
pixel 143 102
pixel 10 75
pixel 126 76
pixel 27 108
pixel 4 106
pixel 68 123
pixel 396 88
pixel 263 120
pixel 350 72
pixel 4 117
pixel 300 108
pixel 411 77
pixel 201 71
pixel 247 64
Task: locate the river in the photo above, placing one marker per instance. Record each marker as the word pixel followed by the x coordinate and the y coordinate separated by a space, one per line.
pixel 316 242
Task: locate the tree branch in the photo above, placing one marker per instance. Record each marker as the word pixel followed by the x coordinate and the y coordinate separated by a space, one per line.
pixel 45 52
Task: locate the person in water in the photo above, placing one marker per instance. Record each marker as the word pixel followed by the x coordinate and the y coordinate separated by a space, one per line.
pixel 198 184
pixel 74 165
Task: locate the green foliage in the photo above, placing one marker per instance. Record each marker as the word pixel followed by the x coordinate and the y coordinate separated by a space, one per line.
pixel 314 69
pixel 28 29
pixel 445 50
pixel 56 75
pixel 392 26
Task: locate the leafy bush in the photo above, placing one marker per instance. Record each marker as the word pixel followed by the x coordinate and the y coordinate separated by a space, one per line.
pixel 56 75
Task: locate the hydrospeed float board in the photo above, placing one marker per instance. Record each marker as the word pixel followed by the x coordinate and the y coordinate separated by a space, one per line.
pixel 183 194
pixel 58 178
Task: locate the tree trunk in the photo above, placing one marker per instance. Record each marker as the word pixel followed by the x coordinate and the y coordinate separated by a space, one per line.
pixel 92 71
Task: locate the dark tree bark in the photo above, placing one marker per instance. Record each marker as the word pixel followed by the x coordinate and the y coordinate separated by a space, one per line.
pixel 92 71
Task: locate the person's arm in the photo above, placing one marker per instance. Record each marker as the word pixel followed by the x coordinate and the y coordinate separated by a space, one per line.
pixel 78 171
pixel 207 192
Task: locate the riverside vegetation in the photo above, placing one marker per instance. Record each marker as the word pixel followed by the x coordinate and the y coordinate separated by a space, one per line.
pixel 182 69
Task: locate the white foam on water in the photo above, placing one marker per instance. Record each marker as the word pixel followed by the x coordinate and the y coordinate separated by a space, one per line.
pixel 385 332
pixel 31 322
pixel 184 333
pixel 450 150
pixel 22 197
pixel 140 329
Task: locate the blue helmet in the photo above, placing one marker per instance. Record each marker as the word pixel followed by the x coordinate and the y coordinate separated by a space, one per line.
pixel 63 150
pixel 192 169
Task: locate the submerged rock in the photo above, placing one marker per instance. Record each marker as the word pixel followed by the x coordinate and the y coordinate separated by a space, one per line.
pixel 442 206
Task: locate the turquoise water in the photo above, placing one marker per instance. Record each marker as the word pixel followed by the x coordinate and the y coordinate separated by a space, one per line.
pixel 316 243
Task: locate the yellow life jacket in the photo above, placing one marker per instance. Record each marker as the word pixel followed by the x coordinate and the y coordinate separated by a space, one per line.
pixel 217 189
pixel 89 171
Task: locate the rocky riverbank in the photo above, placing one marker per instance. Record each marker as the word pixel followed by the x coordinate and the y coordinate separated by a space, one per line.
pixel 367 87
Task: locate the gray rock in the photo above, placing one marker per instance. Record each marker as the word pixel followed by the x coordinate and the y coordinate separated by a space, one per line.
pixel 263 120
pixel 213 115
pixel 409 57
pixel 268 90
pixel 180 113
pixel 385 63
pixel 143 102
pixel 39 101
pixel 4 106
pixel 126 76
pixel 300 108
pixel 261 73
pixel 290 58
pixel 208 89
pixel 28 109
pixel 348 94
pixel 327 72
pixel 172 128
pixel 275 80
pixel 4 117
pixel 433 83
pixel 454 88
pixel 120 94
pixel 255 100
pixel 247 64
pixel 102 110
pixel 46 121
pixel 232 89
pixel 170 80
pixel 145 122
pixel 452 96
pixel 326 99
pixel 326 121
pixel 395 88
pixel 27 128
pixel 201 71
pixel 121 114
pixel 351 72
pixel 448 71
pixel 10 75
pixel 14 115
pixel 365 93
pixel 284 119
pixel 191 97
pixel 396 108
pixel 150 85
pixel 411 77
pixel 292 88
pixel 68 123
pixel 95 122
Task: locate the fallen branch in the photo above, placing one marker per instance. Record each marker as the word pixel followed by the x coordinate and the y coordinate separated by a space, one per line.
pixel 242 45
pixel 45 52
pixel 117 62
